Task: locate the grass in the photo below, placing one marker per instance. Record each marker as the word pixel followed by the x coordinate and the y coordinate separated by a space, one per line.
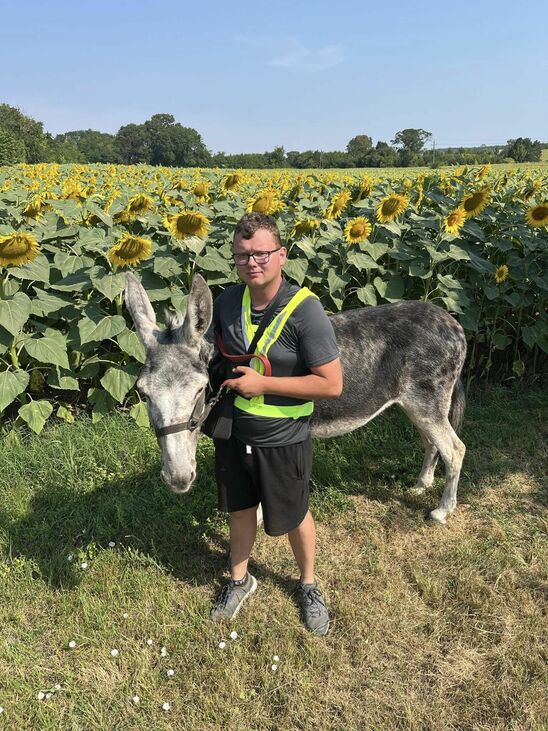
pixel 433 627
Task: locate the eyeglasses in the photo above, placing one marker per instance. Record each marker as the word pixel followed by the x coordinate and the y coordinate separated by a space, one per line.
pixel 261 257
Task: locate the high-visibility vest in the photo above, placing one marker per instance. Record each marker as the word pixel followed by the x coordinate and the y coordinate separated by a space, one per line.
pixel 256 405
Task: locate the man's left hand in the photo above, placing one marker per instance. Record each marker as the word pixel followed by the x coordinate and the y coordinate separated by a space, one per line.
pixel 249 384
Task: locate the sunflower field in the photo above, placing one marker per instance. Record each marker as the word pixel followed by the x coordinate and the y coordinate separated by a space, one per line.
pixel 473 241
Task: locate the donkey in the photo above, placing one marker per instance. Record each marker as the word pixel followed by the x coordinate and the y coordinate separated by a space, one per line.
pixel 410 353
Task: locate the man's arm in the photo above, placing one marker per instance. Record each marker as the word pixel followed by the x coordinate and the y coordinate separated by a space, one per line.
pixel 324 382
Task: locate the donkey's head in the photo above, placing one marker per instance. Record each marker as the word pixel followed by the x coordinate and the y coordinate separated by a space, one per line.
pixel 174 377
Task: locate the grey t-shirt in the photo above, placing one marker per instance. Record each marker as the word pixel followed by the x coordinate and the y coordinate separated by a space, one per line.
pixel 307 340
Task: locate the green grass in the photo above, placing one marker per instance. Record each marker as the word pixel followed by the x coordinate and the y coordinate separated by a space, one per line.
pixel 434 627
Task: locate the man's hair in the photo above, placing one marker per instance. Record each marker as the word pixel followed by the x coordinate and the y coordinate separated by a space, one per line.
pixel 250 223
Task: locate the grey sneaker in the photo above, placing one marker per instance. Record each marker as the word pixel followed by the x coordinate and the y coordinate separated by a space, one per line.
pixel 232 597
pixel 313 610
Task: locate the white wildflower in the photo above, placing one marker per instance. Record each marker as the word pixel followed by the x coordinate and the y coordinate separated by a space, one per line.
pixel 222 645
pixel 166 706
pixel 48 696
pixel 274 668
pixel 1 710
pixel 70 557
pixel 114 652
pixel 163 652
pixel 170 673
pixel 125 615
pixel 84 565
pixel 149 642
pixel 233 635
pixel 57 686
pixel 111 544
pixel 41 696
pixel 72 644
pixel 275 658
pixel 136 699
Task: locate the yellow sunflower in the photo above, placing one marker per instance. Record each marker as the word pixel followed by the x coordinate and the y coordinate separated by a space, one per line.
pixel 187 223
pixel 304 226
pixel 502 274
pixel 357 229
pixel 17 249
pixel 201 191
pixel 475 202
pixel 537 216
pixel 391 207
pixel 231 182
pixel 139 205
pixel 337 205
pixel 265 201
pixel 35 207
pixel 364 189
pixel 129 250
pixel 454 221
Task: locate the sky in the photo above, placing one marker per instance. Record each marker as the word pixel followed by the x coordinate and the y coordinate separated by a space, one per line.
pixel 249 76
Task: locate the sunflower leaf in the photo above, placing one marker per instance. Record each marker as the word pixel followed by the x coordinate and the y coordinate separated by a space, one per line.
pixel 14 312
pixel 36 414
pixel 100 329
pixel 37 270
pixel 118 381
pixel 47 350
pixel 367 295
pixel 392 290
pixel 296 269
pixel 12 383
pixel 139 412
pixel 102 403
pixel 110 285
pixel 131 345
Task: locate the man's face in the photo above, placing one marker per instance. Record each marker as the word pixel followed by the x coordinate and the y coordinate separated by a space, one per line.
pixel 252 273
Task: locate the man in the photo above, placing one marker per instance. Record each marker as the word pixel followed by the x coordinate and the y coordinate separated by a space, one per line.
pixel 268 458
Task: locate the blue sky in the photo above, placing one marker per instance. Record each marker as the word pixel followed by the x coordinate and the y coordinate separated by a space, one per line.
pixel 252 75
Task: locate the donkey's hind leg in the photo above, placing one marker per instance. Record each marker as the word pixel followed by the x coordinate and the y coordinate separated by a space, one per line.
pixel 439 432
pixel 431 456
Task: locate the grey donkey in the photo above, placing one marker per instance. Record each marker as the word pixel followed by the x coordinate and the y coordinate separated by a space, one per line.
pixel 410 353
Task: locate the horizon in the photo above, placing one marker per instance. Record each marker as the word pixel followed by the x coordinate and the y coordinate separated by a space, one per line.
pixel 310 77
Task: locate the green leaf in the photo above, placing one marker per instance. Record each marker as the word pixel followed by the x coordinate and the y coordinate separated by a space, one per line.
pixel 392 290
pixel 129 342
pixel 66 208
pixel 296 269
pixel 47 350
pixel 102 403
pixel 139 412
pixel 45 303
pixel 374 250
pixel 449 282
pixel 367 295
pixel 64 380
pixel 69 263
pixel 37 270
pixel 36 414
pixel 101 215
pixel 95 330
pixel 361 261
pixel 110 285
pixel 335 282
pixel 79 281
pixel 12 383
pixel 156 288
pixel 212 261
pixel 457 253
pixel 14 312
pixel 118 381
pixel 518 367
pixel 167 266
pixel 65 414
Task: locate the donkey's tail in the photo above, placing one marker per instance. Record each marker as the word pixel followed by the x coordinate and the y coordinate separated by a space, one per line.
pixel 456 411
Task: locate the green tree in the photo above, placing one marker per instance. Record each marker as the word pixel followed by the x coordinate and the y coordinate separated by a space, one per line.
pixel 26 129
pixel 12 149
pixel 412 140
pixel 131 144
pixel 523 149
pixel 170 143
pixel 93 146
pixel 359 148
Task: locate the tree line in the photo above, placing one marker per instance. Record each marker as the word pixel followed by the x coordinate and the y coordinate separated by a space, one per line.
pixel 161 140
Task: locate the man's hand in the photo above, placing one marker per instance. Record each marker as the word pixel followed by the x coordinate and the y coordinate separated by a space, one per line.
pixel 247 385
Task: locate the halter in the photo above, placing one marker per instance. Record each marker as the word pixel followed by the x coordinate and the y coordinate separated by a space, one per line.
pixel 194 421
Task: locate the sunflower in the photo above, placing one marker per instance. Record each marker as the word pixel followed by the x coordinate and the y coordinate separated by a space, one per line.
pixel 454 221
pixel 475 202
pixel 266 201
pixel 231 182
pixel 502 274
pixel 187 223
pixel 537 215
pixel 337 205
pixel 484 171
pixel 129 250
pixel 201 191
pixel 139 205
pixel 357 229
pixel 391 207
pixel 17 249
pixel 35 207
pixel 364 189
pixel 304 226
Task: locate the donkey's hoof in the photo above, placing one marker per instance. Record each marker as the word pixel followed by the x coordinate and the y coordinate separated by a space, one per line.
pixel 439 516
pixel 417 489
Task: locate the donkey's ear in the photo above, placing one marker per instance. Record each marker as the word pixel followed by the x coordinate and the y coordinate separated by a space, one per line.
pixel 199 312
pixel 140 309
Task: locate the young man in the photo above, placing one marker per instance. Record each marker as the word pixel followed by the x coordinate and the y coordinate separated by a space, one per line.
pixel 268 458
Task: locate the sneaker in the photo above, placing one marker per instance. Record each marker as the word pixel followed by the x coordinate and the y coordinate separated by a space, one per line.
pixel 313 610
pixel 231 598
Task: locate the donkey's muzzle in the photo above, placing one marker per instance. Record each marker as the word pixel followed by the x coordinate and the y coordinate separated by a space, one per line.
pixel 178 487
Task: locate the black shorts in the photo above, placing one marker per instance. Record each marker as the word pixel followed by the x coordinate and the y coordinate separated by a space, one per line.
pixel 276 477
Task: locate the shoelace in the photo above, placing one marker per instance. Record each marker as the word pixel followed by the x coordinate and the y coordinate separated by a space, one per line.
pixel 225 592
pixel 313 600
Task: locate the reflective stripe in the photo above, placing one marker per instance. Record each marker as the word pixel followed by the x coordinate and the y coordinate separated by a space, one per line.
pixel 256 405
pixel 276 412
